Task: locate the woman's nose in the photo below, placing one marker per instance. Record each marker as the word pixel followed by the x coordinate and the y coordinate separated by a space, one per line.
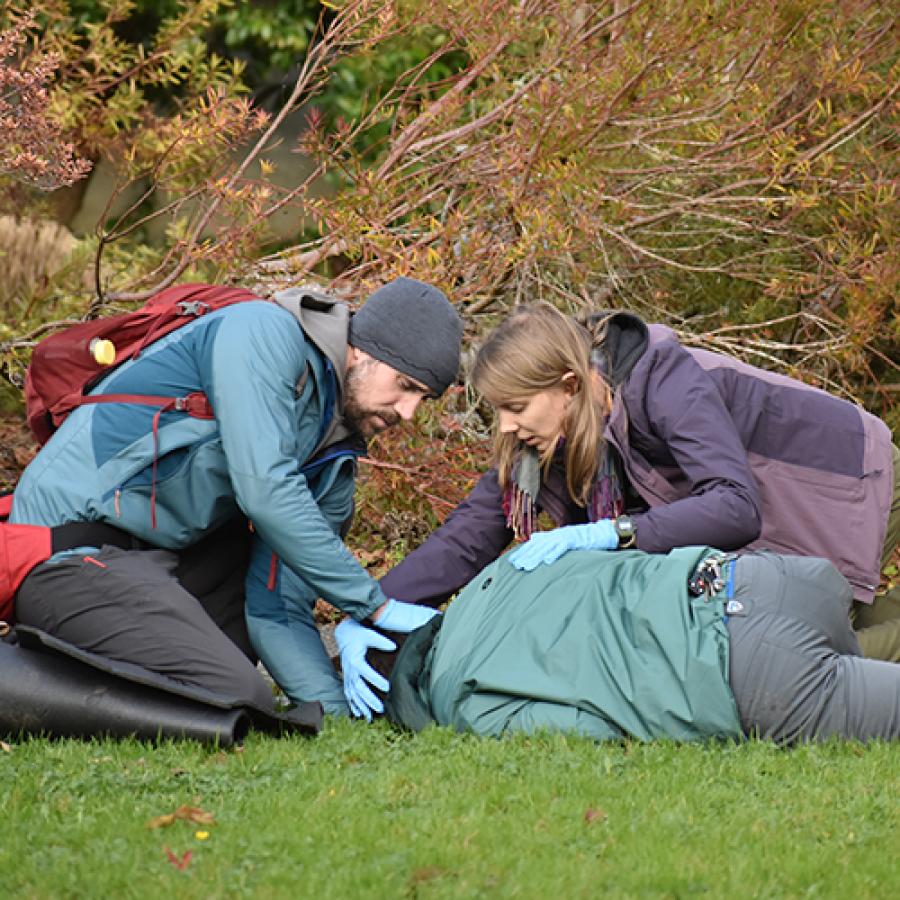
pixel 507 422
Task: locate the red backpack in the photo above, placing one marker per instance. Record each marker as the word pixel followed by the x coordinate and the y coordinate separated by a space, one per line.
pixel 64 367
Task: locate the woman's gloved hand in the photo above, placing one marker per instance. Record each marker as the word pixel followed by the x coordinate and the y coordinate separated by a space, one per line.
pixel 353 641
pixel 549 546
pixel 402 617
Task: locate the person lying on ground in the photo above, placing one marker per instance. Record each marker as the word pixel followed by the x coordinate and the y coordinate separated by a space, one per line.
pixel 686 645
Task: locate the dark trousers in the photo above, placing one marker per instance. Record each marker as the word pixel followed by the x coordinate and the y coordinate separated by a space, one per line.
pixel 795 664
pixel 181 615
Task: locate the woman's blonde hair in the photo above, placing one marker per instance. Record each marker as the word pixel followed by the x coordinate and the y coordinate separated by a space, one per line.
pixel 528 353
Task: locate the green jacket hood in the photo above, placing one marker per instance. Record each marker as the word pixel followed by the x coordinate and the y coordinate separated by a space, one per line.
pixel 406 704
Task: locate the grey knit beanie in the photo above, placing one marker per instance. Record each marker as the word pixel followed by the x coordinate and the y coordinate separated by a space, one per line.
pixel 413 328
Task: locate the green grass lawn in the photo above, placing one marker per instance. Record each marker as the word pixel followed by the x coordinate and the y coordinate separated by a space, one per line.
pixel 367 812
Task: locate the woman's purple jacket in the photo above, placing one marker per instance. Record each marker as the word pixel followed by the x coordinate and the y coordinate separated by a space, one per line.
pixel 719 452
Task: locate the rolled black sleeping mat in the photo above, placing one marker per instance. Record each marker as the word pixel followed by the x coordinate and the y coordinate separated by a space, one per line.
pixel 51 688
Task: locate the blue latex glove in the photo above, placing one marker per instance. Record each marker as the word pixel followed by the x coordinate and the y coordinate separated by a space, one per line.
pixel 353 641
pixel 549 546
pixel 404 617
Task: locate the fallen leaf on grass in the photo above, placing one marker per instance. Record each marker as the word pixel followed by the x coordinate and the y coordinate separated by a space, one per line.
pixel 186 813
pixel 180 862
pixel 425 874
pixel 592 815
pixel 6 748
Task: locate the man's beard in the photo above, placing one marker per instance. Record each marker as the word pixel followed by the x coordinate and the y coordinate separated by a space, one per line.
pixel 364 418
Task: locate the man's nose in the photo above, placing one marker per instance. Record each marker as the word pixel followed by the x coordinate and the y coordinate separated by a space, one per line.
pixel 406 406
pixel 507 422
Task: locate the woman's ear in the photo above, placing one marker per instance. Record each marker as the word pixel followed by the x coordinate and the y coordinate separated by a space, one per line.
pixel 570 383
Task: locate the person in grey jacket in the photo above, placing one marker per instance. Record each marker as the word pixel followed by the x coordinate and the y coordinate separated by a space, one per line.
pixel 296 386
pixel 624 437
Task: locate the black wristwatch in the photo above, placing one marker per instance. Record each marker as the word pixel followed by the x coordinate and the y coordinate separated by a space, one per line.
pixel 626 531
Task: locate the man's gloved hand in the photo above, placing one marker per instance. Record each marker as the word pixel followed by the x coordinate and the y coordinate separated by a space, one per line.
pixel 549 546
pixel 353 641
pixel 404 617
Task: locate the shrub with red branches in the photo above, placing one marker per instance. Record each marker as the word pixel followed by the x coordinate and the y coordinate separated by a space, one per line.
pixel 33 148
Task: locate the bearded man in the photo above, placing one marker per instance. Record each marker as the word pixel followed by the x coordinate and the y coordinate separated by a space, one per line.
pixel 296 386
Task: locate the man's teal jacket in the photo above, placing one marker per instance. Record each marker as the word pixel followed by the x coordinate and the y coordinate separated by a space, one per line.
pixel 269 387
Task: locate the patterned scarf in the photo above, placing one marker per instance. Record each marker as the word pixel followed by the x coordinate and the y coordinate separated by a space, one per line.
pixel 520 495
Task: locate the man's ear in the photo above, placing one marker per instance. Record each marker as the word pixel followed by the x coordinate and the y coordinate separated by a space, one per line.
pixel 355 356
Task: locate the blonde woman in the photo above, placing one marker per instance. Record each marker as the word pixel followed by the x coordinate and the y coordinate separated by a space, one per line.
pixel 626 438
